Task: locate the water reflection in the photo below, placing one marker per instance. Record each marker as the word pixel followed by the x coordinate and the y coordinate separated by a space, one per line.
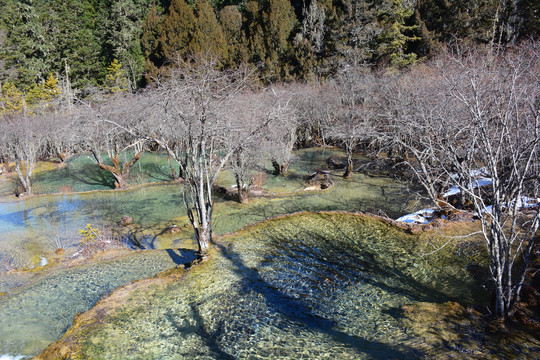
pixel 38 226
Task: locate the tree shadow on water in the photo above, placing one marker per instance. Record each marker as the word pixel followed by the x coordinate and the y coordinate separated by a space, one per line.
pixel 91 174
pixel 182 256
pixel 297 311
pixel 209 339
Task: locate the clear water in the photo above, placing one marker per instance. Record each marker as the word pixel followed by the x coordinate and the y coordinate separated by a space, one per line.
pixel 38 226
pixel 81 173
pixel 39 312
pixel 33 228
pixel 303 287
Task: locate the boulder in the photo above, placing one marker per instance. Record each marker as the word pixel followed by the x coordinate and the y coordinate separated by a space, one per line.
pixel 126 220
pixel 320 180
pixel 173 229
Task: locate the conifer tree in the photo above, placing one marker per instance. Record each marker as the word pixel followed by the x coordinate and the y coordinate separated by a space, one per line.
pixel 230 19
pixel 177 31
pixel 26 49
pixel 253 25
pixel 394 40
pixel 77 41
pixel 151 30
pixel 11 99
pixel 279 21
pixel 116 80
pixel 208 36
pixel 123 27
pixel 150 43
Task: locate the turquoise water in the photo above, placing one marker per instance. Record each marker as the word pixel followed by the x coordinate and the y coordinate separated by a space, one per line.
pixel 33 229
pixel 38 226
pixel 304 287
pixel 39 312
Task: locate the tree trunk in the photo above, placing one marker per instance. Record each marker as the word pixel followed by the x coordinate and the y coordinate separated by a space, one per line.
pixel 62 156
pixel 25 178
pixel 242 189
pixel 120 182
pixel 174 175
pixel 4 167
pixel 349 168
pixel 204 238
pixel 280 169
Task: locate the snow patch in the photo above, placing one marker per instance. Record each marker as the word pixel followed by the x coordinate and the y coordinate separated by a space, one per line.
pixel 42 262
pixel 11 357
pixel 480 182
pixel 523 202
pixel 424 216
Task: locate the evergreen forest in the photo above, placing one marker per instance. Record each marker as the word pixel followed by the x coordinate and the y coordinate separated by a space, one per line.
pixel 89 46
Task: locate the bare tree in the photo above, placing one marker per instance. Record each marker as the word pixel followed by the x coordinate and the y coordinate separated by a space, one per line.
pixel 194 111
pixel 350 110
pixel 281 136
pixel 109 127
pixel 252 111
pixel 62 138
pixel 22 141
pixel 475 126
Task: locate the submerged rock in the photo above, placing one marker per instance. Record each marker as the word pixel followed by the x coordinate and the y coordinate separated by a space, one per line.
pixel 335 163
pixel 320 180
pixel 126 220
pixel 174 229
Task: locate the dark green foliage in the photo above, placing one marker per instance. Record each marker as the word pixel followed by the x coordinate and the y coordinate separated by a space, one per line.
pixel 76 41
pixel 230 19
pixel 25 50
pixel 122 23
pixel 208 36
pixel 177 31
pixel 479 20
pixel 285 39
pixel 394 39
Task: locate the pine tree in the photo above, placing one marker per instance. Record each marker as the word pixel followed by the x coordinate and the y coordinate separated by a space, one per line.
pixel 253 24
pixel 123 21
pixel 116 80
pixel 151 31
pixel 150 43
pixel 208 37
pixel 394 39
pixel 279 21
pixel 26 49
pixel 230 19
pixel 177 32
pixel 11 99
pixel 76 39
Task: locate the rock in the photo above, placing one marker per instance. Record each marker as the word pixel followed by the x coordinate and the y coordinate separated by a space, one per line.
pixel 173 229
pixel 336 164
pixel 320 180
pixel 126 220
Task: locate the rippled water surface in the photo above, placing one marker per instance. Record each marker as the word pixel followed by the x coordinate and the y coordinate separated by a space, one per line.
pixel 303 287
pixel 311 286
pixel 38 313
